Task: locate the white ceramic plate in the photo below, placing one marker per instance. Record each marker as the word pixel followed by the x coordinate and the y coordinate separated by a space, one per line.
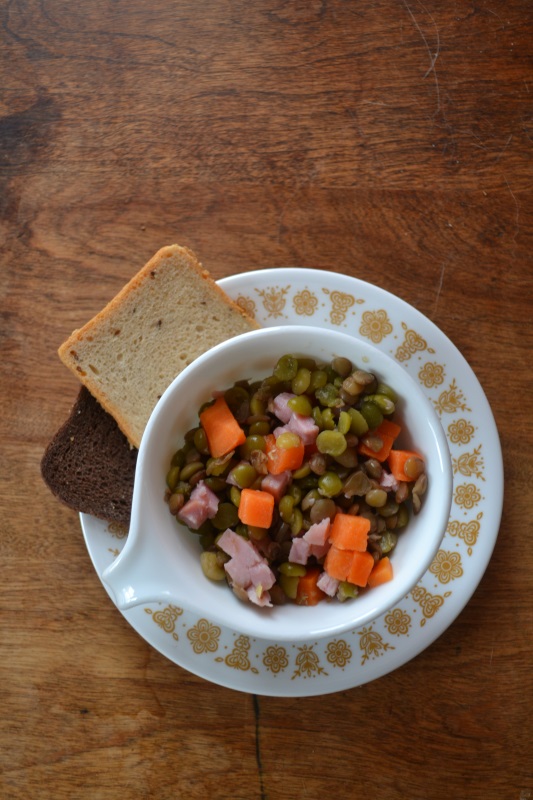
pixel 229 658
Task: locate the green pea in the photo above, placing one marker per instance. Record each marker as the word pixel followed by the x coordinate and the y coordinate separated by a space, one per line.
pixel 329 484
pixel 328 420
pixel 376 498
pixel 359 425
pixel 244 475
pixel 388 541
pixel 346 591
pixel 403 516
pixel 289 584
pixel 303 472
pixel 210 566
pixel 296 522
pixel 173 476
pixel 259 428
pixel 384 403
pixel 328 395
pixel 256 533
pixel 286 368
pixel 190 469
pixel 200 442
pixel 291 569
pixel 300 382
pixel 253 442
pixel 344 422
pixel 287 440
pixel 286 505
pixel 235 496
pixel 317 416
pixel 319 378
pixel 178 459
pixel 215 484
pixel 257 406
pixel 226 516
pixel 295 492
pixel 343 366
pixel 388 391
pixel 331 443
pixel 218 466
pixel 389 509
pixel 301 405
pixel 372 415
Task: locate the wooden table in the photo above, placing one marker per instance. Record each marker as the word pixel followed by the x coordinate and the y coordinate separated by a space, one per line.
pixel 390 141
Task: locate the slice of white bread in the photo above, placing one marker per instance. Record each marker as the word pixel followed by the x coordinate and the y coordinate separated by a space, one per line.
pixel 166 316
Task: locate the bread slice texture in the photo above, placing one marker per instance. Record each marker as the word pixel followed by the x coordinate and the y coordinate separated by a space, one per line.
pixel 166 316
pixel 89 465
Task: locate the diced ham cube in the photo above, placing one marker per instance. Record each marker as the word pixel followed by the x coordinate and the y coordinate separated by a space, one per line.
pixel 247 568
pixel 388 481
pixel 276 485
pixel 278 406
pixel 300 551
pixel 319 532
pixel 305 428
pixel 328 584
pixel 201 506
pixel 259 597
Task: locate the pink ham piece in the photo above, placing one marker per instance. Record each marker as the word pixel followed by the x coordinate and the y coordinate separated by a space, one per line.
pixel 276 485
pixel 328 584
pixel 247 568
pixel 300 551
pixel 318 538
pixel 278 406
pixel 201 506
pixel 388 481
pixel 304 426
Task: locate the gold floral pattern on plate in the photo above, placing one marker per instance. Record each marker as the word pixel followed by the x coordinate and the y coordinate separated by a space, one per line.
pixel 469 464
pixel 467 495
pixel 305 303
pixel 166 618
pixel 412 343
pixel 239 656
pixel 447 566
pixel 431 374
pixel 204 637
pixel 451 400
pixel 275 659
pixel 307 663
pixel 339 653
pixel 428 602
pixel 376 325
pixel 460 431
pixel 467 531
pixel 274 299
pixel 341 302
pixel 247 304
pixel 398 622
pixel 372 644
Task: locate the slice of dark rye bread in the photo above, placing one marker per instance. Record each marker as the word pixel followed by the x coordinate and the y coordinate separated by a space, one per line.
pixel 89 465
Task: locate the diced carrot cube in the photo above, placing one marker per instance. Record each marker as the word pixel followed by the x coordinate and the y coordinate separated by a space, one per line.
pixel 338 563
pixel 360 568
pixel 381 572
pixel 256 508
pixel 283 458
pixel 221 428
pixel 350 532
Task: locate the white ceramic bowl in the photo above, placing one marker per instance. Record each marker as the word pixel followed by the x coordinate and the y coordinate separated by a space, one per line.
pixel 160 561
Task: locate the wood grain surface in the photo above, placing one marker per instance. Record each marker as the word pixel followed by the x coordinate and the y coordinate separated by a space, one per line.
pixel 390 140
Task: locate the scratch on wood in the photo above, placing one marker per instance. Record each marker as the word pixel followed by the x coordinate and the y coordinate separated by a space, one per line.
pixel 262 793
pixel 432 56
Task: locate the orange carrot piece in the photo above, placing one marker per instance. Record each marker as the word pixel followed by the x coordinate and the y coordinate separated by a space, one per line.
pixel 381 572
pixel 221 428
pixel 349 532
pixel 360 568
pixel 387 432
pixel 397 460
pixel 388 428
pixel 283 458
pixel 256 508
pixel 308 593
pixel 338 562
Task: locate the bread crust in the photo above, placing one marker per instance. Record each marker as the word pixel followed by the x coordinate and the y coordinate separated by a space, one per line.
pixel 121 357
